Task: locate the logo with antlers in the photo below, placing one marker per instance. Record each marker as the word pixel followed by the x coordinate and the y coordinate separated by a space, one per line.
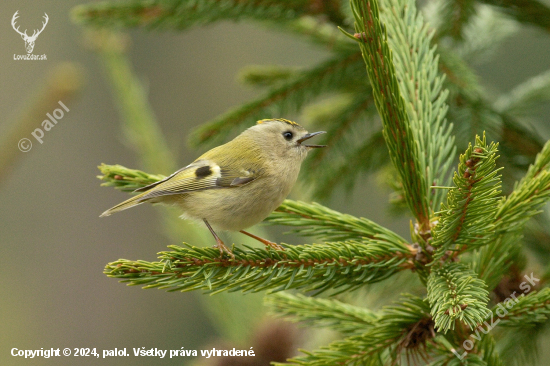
pixel 29 40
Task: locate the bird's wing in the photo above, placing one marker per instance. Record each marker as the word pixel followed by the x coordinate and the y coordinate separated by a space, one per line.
pixel 201 175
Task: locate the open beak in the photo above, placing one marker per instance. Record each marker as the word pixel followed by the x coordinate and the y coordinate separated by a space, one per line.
pixel 310 135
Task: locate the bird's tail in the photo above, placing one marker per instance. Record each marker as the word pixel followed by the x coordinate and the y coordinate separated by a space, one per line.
pixel 131 202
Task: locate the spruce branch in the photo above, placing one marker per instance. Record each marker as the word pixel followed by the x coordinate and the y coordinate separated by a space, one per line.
pixel 326 313
pixel 124 179
pixel 182 14
pixel 455 293
pixel 421 86
pixel 528 196
pixel 281 100
pixel 525 311
pixel 400 139
pixel 467 219
pixel 341 265
pixel 402 327
pixel 513 212
pixel 313 219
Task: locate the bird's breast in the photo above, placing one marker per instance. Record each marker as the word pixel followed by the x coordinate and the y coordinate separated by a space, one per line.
pixel 237 208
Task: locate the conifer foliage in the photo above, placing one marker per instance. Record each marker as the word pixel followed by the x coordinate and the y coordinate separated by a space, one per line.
pixel 466 245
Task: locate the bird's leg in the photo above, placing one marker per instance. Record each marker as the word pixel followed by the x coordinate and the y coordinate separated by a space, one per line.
pixel 220 245
pixel 265 241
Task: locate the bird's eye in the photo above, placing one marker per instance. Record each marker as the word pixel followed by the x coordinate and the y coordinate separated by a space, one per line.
pixel 288 135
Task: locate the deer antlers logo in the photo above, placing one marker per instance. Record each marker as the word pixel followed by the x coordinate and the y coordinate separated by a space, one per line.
pixel 29 40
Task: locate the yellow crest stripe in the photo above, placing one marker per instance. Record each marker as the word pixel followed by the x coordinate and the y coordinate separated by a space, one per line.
pixel 280 120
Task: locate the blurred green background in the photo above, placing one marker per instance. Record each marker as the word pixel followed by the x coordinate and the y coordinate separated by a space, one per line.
pixel 53 244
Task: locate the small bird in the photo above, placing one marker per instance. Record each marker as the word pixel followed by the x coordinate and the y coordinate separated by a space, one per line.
pixel 235 185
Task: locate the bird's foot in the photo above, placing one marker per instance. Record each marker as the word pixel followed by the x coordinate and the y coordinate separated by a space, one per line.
pixel 265 241
pixel 273 245
pixel 219 243
pixel 221 246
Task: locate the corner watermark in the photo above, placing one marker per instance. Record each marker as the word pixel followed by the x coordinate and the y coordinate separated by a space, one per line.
pixel 137 352
pixel 29 40
pixel 501 311
pixel 25 144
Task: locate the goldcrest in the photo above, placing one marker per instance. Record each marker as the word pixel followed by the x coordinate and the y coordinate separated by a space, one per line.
pixel 235 185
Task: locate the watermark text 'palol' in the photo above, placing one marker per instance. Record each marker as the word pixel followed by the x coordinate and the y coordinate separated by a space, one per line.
pixel 25 144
